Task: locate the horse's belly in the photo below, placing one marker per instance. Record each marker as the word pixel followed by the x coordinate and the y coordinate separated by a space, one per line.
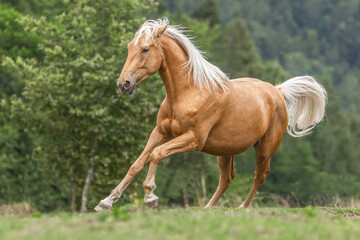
pixel 223 142
pixel 225 149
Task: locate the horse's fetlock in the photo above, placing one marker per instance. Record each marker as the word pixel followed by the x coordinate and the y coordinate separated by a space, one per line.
pixel 149 187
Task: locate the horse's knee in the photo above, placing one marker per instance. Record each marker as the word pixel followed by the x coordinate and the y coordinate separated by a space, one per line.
pixel 156 155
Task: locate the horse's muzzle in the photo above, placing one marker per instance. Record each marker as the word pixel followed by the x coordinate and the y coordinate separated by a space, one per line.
pixel 126 86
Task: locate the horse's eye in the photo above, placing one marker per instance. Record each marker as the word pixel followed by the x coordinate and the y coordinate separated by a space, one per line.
pixel 144 50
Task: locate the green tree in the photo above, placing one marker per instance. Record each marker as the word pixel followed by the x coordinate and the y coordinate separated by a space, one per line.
pixel 236 52
pixel 15 42
pixel 18 170
pixel 87 127
pixel 48 8
pixel 208 10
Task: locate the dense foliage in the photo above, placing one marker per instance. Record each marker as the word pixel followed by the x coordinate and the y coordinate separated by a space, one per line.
pixel 67 136
pixel 70 97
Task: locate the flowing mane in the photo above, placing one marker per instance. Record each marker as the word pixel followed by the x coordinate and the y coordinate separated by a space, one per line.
pixel 205 74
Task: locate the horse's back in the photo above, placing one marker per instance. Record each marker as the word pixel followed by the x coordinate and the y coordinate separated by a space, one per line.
pixel 246 79
pixel 257 90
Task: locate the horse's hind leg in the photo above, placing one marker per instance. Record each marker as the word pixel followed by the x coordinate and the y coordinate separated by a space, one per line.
pixel 227 173
pixel 262 170
pixel 265 148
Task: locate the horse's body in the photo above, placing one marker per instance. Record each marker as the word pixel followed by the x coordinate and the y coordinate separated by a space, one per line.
pixel 233 123
pixel 204 111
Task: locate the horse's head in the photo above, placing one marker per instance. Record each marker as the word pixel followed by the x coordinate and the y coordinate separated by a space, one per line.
pixel 144 57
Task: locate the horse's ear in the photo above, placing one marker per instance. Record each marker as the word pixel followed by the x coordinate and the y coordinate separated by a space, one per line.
pixel 161 30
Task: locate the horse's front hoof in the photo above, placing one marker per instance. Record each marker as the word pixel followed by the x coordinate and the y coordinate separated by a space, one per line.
pixel 102 206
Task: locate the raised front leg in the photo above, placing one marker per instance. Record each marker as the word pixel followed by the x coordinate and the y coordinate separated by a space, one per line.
pixel 155 139
pixel 183 143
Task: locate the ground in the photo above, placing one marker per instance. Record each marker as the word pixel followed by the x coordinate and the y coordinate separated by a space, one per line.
pixel 194 223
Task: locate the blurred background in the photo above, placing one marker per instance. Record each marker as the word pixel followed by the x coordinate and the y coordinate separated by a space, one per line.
pixel 67 135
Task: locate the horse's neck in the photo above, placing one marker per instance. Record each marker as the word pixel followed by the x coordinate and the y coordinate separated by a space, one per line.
pixel 174 76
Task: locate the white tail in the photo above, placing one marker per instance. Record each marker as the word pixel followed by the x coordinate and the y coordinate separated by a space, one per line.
pixel 306 100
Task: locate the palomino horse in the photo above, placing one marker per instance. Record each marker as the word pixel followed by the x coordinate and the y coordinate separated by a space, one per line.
pixel 205 111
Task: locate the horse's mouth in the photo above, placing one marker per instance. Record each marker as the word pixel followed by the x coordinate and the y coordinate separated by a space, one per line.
pixel 131 90
pixel 128 90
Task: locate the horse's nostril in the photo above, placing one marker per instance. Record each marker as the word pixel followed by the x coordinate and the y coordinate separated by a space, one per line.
pixel 127 84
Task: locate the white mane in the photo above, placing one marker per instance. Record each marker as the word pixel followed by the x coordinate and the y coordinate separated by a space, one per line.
pixel 205 74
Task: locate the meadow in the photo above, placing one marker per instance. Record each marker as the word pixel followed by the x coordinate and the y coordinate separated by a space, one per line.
pixel 133 222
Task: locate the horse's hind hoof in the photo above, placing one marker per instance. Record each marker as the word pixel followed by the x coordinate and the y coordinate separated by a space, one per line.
pixel 153 204
pixel 102 206
pixel 243 205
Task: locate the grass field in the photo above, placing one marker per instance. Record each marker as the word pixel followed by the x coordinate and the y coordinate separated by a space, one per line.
pixel 194 223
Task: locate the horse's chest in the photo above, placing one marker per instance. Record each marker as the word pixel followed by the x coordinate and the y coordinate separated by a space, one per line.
pixel 171 127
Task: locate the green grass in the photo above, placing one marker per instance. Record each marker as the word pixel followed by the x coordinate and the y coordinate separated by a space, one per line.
pixel 193 223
